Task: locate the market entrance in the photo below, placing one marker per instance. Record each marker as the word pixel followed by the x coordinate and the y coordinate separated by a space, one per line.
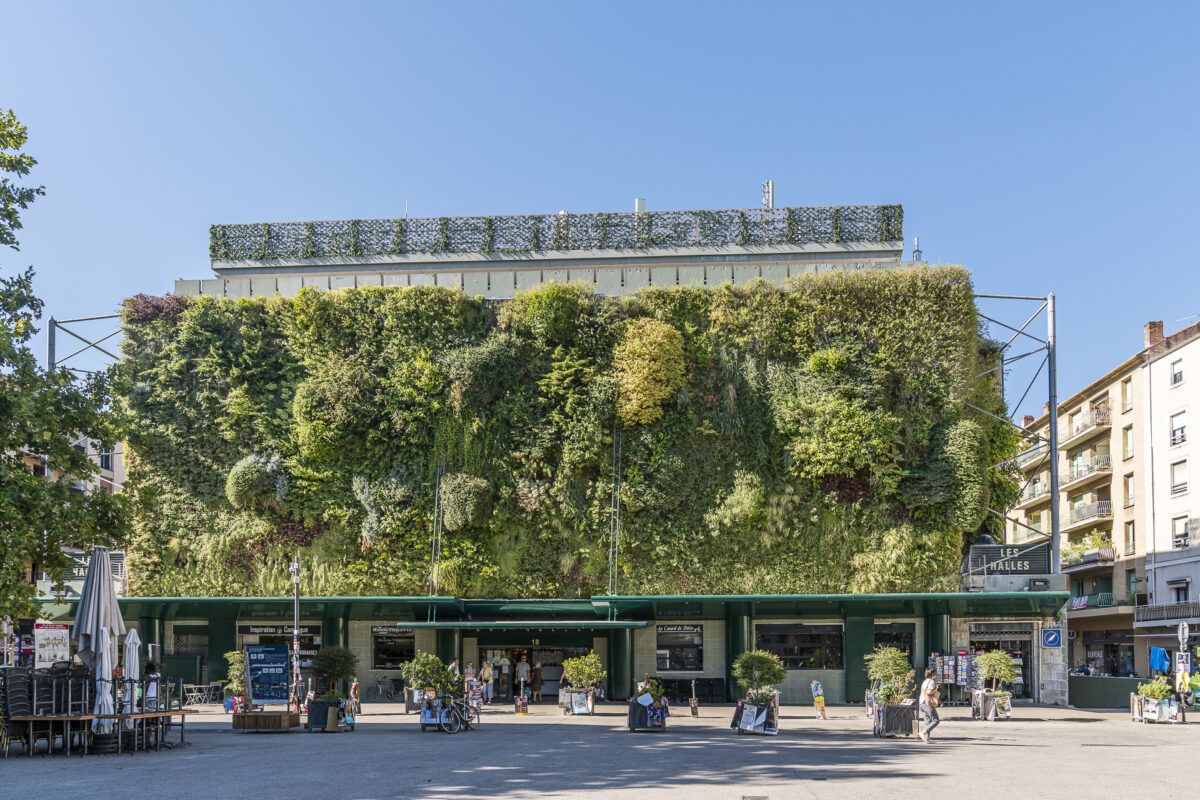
pixel 543 652
pixel 1016 640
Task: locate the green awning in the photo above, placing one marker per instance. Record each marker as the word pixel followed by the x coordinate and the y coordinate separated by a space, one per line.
pixel 528 625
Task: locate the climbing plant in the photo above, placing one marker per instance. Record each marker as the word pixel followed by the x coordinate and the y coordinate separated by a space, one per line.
pixel 807 437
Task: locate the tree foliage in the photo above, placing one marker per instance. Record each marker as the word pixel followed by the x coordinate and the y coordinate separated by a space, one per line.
pixel 584 672
pixel 758 672
pixel 334 665
pixel 810 437
pixel 427 671
pixel 890 667
pixel 49 419
pixel 998 667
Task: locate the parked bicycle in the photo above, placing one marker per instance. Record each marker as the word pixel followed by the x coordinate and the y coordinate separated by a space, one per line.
pixel 386 688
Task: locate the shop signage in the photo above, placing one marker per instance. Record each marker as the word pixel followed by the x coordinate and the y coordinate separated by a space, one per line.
pixel 679 628
pixel 51 643
pixel 390 632
pixel 267 674
pixel 669 613
pixel 1052 637
pixel 1011 559
pixel 277 630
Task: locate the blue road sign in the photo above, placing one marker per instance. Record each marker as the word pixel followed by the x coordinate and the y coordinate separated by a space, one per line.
pixel 1052 637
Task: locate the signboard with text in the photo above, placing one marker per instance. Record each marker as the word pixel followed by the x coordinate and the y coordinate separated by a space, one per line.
pixel 267 674
pixel 1007 559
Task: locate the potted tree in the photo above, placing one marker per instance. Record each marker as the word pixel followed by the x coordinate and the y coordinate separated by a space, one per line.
pixel 583 674
pixel 1150 703
pixel 427 672
pixel 648 709
pixel 333 666
pixel 235 686
pixel 890 671
pixel 758 673
pixel 998 667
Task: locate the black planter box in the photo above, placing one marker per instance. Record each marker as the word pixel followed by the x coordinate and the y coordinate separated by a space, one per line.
pixel 639 718
pixel 318 713
pixel 896 721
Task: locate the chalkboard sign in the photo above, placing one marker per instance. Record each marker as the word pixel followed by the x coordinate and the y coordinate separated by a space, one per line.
pixel 267 674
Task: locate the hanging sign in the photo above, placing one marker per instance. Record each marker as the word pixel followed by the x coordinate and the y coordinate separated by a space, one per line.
pixel 51 643
pixel 267 674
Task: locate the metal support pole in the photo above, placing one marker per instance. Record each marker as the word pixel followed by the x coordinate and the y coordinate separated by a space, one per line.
pixel 50 345
pixel 1052 373
pixel 296 686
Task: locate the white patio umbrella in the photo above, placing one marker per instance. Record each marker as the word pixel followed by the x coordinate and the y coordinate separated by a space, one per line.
pixel 104 693
pixel 133 669
pixel 97 609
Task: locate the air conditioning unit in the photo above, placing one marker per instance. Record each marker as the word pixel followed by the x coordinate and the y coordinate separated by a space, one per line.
pixel 1039 584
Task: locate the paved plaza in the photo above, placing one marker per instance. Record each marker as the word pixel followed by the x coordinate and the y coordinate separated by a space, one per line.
pixel 1043 752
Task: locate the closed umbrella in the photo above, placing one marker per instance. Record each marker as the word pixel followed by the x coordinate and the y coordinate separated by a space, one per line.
pixel 97 609
pixel 104 692
pixel 133 669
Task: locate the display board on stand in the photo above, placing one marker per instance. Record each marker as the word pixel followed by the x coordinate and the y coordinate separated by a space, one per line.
pixel 267 674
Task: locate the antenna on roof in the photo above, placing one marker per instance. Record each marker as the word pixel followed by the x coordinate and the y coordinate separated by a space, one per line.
pixel 406 209
pixel 917 249
pixel 768 193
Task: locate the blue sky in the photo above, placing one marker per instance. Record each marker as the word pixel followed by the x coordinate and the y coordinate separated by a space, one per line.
pixel 1046 146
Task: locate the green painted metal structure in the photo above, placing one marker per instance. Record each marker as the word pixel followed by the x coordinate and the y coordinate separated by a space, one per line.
pixel 495 622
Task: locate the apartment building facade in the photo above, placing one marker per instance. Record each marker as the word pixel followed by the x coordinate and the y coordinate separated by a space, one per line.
pixel 1172 388
pixel 1123 501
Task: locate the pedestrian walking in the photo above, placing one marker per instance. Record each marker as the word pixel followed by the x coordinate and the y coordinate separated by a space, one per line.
pixel 929 701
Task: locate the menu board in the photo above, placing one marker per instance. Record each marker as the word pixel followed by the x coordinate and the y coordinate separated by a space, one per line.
pixel 267 674
pixel 52 643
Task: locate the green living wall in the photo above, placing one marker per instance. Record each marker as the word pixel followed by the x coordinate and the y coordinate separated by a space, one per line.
pixel 810 437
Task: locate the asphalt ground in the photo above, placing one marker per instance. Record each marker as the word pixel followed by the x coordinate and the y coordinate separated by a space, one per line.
pixel 1042 752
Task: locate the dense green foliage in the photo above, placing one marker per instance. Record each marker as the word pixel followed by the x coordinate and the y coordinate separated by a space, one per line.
pixel 811 437
pixel 49 420
pixel 584 672
pixel 998 667
pixel 890 667
pixel 334 665
pixel 427 671
pixel 758 672
pixel 1157 689
pixel 235 686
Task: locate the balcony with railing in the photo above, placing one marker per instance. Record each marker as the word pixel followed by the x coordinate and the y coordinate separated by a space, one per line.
pixel 1035 492
pixel 1080 559
pixel 1100 600
pixel 1084 425
pixel 1088 513
pixel 1179 435
pixel 1099 464
pixel 1167 612
pixel 1032 456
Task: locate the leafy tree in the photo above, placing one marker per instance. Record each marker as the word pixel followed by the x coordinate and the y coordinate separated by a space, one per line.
pixel 1157 689
pixel 334 665
pixel 891 668
pixel 758 672
pixel 48 420
pixel 998 667
pixel 14 198
pixel 584 672
pixel 427 670
pixel 236 674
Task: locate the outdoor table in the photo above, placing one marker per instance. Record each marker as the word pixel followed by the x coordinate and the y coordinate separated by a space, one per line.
pixel 158 718
pixel 65 719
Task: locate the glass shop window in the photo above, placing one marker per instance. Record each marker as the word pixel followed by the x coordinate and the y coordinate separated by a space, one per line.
pixel 803 646
pixel 679 647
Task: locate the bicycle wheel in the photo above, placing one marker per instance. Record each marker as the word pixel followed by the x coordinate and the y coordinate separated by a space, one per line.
pixel 449 721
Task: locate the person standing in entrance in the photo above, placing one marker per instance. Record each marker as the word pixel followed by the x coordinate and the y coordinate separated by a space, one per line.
pixel 522 675
pixel 486 677
pixel 929 701
pixel 537 682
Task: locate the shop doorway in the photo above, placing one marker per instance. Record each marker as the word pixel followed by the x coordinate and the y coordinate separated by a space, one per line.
pixel 1022 654
pixel 546 660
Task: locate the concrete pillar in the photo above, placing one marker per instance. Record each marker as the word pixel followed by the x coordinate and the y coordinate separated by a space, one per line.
pixel 449 644
pixel 620 673
pixel 860 642
pixel 222 638
pixel 739 638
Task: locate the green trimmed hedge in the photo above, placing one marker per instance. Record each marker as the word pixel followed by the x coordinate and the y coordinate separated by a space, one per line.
pixel 810 437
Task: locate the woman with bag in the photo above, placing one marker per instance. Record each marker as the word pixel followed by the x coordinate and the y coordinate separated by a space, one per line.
pixel 928 703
